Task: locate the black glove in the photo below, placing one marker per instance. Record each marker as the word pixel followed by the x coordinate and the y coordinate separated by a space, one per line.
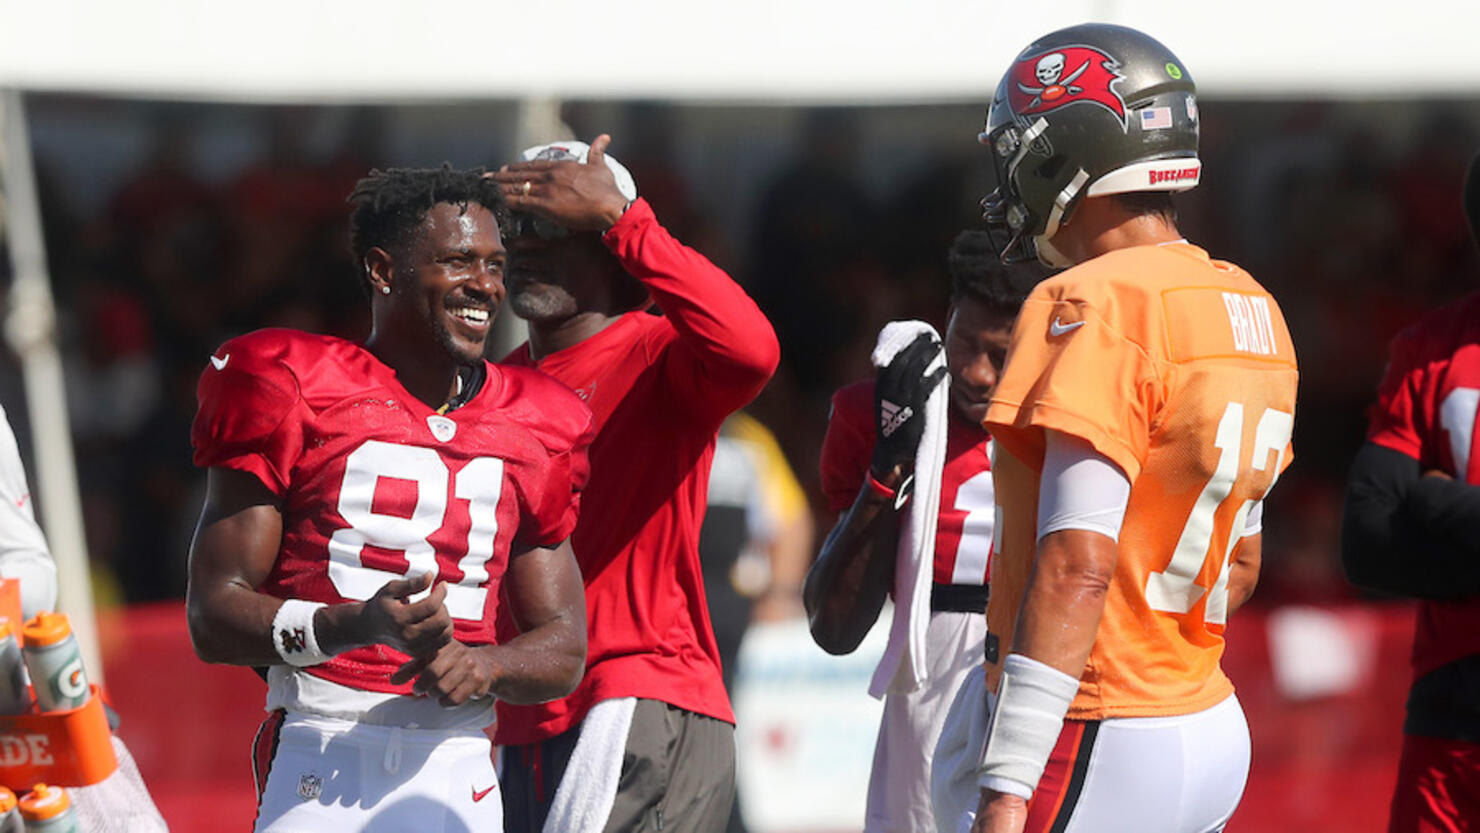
pixel 899 405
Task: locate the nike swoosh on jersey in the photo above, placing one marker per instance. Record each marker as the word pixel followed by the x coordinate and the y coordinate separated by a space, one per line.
pixel 1058 327
pixel 479 795
pixel 220 364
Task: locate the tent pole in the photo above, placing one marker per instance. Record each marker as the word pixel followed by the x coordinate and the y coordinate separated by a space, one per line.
pixel 538 122
pixel 30 329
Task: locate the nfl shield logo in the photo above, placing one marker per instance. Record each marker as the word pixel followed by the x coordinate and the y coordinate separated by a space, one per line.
pixel 442 427
pixel 309 786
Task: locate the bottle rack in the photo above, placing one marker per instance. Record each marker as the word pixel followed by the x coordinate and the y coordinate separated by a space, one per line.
pixel 70 748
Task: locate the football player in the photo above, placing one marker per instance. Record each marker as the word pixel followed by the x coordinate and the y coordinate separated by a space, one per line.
pixel 371 509
pixel 1143 415
pixel 863 467
pixel 647 740
pixel 1412 514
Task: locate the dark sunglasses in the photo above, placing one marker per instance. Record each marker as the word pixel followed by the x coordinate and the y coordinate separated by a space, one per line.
pixel 524 224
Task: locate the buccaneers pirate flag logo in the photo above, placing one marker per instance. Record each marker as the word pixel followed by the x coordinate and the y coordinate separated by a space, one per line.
pixel 1067 75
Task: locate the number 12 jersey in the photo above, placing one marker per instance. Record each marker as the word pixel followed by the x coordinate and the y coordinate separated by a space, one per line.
pixel 1180 370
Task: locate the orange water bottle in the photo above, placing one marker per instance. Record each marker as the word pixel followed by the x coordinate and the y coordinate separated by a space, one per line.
pixel 55 663
pixel 47 809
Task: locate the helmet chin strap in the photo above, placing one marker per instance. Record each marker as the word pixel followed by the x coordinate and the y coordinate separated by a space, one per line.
pixel 1048 255
pixel 1061 202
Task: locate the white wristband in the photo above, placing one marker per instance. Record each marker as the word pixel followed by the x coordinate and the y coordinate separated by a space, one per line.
pixel 293 634
pixel 1006 786
pixel 1032 699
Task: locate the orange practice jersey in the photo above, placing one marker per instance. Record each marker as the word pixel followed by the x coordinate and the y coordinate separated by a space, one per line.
pixel 1179 368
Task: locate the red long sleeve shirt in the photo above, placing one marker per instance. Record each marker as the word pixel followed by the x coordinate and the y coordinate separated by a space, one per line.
pixel 659 387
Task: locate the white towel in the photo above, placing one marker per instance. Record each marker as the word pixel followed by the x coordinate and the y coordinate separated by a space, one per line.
pixel 903 667
pixel 119 803
pixel 583 800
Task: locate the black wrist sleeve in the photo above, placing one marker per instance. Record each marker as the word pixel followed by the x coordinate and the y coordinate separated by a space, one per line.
pixel 1407 534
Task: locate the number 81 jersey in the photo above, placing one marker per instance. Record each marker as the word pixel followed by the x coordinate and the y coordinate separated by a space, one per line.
pixel 374 485
pixel 1180 370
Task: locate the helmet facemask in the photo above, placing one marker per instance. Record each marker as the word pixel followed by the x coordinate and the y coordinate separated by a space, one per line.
pixel 1010 222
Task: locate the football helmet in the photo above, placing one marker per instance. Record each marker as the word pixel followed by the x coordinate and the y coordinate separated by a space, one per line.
pixel 1086 111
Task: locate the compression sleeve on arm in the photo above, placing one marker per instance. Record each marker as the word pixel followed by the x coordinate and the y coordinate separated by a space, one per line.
pixel 1080 488
pixel 1254 521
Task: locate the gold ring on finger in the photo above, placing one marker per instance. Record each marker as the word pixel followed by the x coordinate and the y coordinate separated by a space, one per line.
pixel 527 186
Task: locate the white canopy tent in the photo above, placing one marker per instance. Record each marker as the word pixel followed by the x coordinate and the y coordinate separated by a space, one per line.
pixel 782 51
pixel 864 51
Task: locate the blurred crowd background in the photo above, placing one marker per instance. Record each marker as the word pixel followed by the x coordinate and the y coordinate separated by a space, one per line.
pixel 173 226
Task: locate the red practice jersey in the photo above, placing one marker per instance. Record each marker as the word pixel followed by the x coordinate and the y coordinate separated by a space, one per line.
pixel 1426 408
pixel 963 535
pixel 659 387
pixel 374 485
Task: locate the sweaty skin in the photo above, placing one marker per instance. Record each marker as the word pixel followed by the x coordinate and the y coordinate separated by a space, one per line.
pixel 445 288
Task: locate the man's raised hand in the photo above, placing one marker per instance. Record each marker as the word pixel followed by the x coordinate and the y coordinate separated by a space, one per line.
pixel 901 390
pixel 581 196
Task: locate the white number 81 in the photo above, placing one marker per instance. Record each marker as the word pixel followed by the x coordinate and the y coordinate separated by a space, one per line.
pixel 480 482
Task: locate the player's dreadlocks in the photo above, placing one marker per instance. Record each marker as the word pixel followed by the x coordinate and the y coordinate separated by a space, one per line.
pixel 978 272
pixel 389 204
